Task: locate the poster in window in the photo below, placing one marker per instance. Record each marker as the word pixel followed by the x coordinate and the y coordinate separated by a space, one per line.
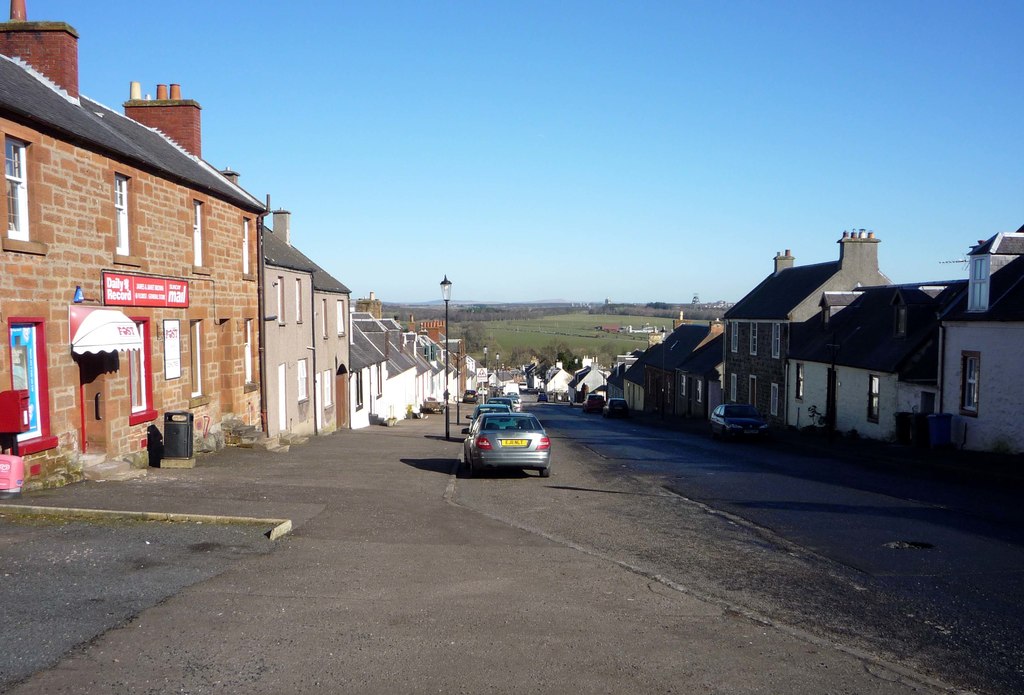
pixel 25 373
pixel 172 349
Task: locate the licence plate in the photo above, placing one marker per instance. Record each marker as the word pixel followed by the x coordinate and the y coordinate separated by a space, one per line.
pixel 514 442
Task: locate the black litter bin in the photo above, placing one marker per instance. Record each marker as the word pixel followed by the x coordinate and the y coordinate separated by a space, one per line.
pixel 904 427
pixel 178 434
pixel 921 431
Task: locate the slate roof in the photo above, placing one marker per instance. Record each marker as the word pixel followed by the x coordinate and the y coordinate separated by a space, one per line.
pixel 705 359
pixel 865 331
pixel 280 254
pixel 27 96
pixel 779 293
pixel 676 347
pixel 362 352
pixel 1002 244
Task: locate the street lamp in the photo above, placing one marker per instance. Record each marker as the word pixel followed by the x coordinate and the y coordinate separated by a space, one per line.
pixel 446 295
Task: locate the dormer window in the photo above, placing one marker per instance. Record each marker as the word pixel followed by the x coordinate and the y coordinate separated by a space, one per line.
pixel 977 297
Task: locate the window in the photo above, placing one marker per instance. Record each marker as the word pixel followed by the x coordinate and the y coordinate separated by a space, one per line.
pixel 326 381
pixel 970 381
pixel 901 320
pixel 732 388
pixel 873 385
pixel 380 380
pixel 247 352
pixel 359 390
pixel 682 385
pixel 339 309
pixel 121 213
pixel 753 338
pixel 734 337
pixel 197 233
pixel 799 381
pixel 17 189
pixel 195 357
pixel 280 300
pixel 699 390
pixel 245 246
pixel 776 340
pixel 303 377
pixel 774 407
pixel 977 297
pixel 27 343
pixel 323 317
pixel 752 392
pixel 140 376
pixel 298 300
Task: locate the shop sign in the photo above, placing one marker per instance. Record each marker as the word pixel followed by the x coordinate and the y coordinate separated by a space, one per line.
pixel 136 290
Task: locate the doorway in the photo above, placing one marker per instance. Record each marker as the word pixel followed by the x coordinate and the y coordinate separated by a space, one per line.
pixel 341 398
pixel 95 370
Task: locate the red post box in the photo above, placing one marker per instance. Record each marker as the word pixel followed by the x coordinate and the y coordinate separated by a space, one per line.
pixel 14 414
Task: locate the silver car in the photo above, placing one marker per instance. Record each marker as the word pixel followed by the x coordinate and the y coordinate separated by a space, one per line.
pixel 507 440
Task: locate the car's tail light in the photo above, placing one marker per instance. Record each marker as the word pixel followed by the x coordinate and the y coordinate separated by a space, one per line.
pixel 544 443
pixel 484 443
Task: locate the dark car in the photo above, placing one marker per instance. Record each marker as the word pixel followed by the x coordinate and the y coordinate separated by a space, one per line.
pixel 487 408
pixel 542 397
pixel 507 440
pixel 594 403
pixel 615 407
pixel 470 396
pixel 738 420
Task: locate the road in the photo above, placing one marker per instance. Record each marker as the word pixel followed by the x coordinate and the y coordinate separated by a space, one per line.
pixel 926 573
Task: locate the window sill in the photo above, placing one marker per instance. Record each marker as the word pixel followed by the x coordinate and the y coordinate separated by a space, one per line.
pixel 200 270
pixel 198 401
pixel 250 387
pixel 31 446
pixel 142 416
pixel 969 413
pixel 249 277
pixel 133 261
pixel 36 248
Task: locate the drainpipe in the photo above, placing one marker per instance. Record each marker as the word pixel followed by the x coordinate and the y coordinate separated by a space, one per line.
pixel 261 304
pixel 317 401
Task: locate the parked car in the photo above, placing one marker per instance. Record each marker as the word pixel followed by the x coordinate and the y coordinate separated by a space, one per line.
pixel 502 399
pixel 432 405
pixel 517 402
pixel 470 396
pixel 509 440
pixel 542 397
pixel 594 403
pixel 738 420
pixel 487 408
pixel 616 407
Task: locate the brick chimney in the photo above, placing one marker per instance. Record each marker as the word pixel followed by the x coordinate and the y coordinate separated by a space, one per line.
pixel 283 225
pixel 783 261
pixel 51 48
pixel 858 251
pixel 177 118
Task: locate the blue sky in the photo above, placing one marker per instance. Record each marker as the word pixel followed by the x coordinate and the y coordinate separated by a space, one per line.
pixel 641 151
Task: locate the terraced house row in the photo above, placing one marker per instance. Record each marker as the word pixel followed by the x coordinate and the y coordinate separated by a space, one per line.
pixel 140 283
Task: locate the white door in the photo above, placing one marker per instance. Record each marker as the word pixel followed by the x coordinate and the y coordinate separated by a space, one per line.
pixel 282 399
pixel 318 398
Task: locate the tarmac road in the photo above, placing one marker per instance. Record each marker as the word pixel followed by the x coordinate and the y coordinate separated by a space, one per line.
pixel 389 582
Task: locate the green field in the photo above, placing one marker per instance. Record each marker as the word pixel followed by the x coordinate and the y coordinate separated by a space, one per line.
pixel 579 332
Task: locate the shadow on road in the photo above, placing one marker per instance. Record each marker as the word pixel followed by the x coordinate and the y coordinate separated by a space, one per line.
pixel 432 465
pixel 607 492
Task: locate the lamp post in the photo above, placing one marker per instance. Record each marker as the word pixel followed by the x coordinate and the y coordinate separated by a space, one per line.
pixel 446 295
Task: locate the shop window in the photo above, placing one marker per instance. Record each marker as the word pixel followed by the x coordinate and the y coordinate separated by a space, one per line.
pixel 27 344
pixel 140 374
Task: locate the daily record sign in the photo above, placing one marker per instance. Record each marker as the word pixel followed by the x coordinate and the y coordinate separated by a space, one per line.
pixel 136 290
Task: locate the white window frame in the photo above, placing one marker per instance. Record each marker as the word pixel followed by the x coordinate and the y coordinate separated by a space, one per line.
pixel 734 337
pixel 247 351
pixel 774 407
pixel 732 387
pixel 978 285
pixel 970 391
pixel 799 394
pixel 753 338
pixel 298 300
pixel 326 383
pixel 245 246
pixel 280 300
pixel 16 172
pixel 340 311
pixel 776 339
pixel 323 316
pixel 699 390
pixel 124 247
pixel 137 374
pixel 197 233
pixel 302 376
pixel 196 356
pixel 682 385
pixel 874 402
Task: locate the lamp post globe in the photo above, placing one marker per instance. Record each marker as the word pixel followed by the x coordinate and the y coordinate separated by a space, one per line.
pixel 446 295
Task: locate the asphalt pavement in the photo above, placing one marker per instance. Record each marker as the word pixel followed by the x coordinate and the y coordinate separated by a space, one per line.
pixel 382 584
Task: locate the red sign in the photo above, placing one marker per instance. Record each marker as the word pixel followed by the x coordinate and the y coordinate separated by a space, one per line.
pixel 136 290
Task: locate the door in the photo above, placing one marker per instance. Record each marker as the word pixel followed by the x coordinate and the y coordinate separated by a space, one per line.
pixel 282 399
pixel 341 397
pixel 318 400
pixel 95 371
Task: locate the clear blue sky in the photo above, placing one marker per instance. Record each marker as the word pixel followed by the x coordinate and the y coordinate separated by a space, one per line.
pixel 642 151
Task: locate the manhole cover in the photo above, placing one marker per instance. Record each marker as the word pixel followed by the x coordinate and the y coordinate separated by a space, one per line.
pixel 909 545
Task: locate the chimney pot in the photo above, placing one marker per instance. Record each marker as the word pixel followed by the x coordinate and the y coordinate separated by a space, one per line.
pixel 18 13
pixel 161 92
pixel 175 92
pixel 871 235
pixel 135 91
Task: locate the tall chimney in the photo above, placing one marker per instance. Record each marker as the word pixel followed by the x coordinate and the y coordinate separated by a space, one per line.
pixel 51 48
pixel 177 118
pixel 283 225
pixel 858 251
pixel 783 261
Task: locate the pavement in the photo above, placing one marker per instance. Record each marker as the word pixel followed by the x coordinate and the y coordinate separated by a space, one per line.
pixel 378 580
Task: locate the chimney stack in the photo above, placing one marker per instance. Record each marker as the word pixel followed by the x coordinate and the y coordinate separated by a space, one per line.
pixel 283 225
pixel 51 48
pixel 783 261
pixel 858 250
pixel 230 175
pixel 179 119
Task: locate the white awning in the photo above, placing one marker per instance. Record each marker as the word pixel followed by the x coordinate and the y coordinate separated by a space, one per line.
pixel 102 330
